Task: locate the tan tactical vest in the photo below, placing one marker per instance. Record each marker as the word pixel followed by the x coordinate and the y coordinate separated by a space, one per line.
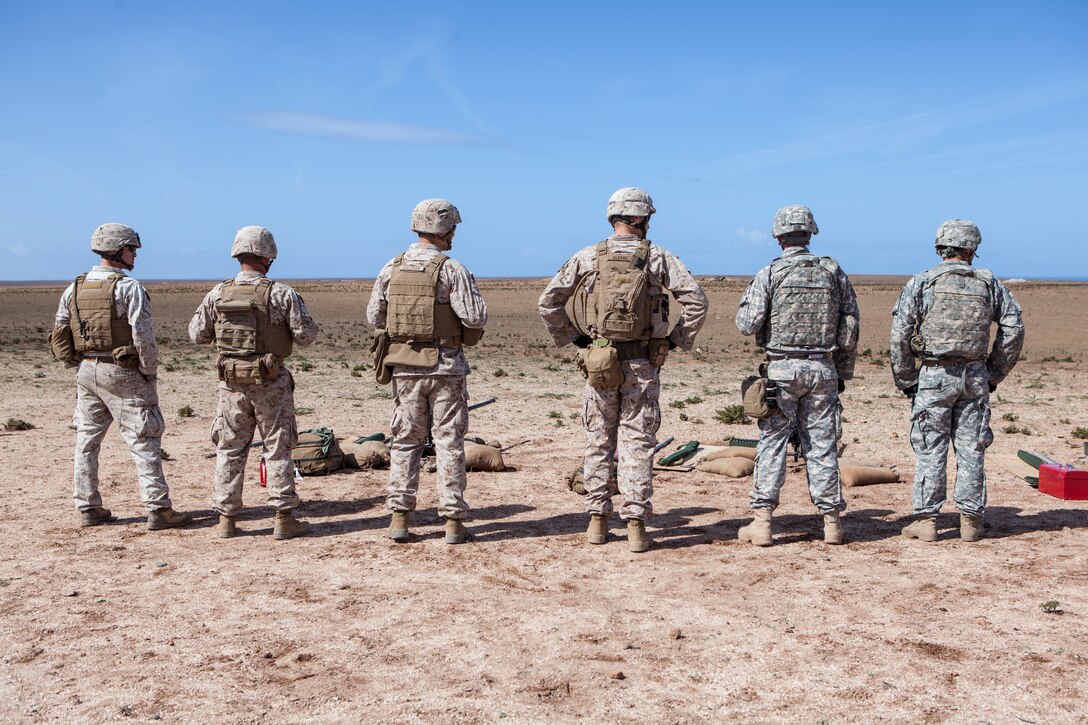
pixel 243 324
pixel 414 313
pixel 805 305
pixel 93 312
pixel 620 309
pixel 957 309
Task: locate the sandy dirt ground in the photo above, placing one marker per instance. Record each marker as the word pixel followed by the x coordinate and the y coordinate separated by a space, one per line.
pixel 527 622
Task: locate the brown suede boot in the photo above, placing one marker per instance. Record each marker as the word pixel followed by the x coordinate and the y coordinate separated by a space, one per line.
pixel 160 519
pixel 225 529
pixel 832 528
pixel 971 527
pixel 924 529
pixel 288 527
pixel 398 526
pixel 759 531
pixel 456 533
pixel 638 540
pixel 95 516
pixel 598 529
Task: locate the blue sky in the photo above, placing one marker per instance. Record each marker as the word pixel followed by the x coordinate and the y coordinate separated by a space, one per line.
pixel 326 122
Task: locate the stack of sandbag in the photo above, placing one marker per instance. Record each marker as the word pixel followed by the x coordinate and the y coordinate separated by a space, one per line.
pixel 730 461
pixel 366 455
pixel 861 474
pixel 480 455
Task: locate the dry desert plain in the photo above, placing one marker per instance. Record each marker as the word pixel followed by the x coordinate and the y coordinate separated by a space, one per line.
pixel 528 623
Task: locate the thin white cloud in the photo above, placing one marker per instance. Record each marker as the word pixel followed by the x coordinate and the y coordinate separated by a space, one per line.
pixel 753 236
pixel 316 124
pixel 19 249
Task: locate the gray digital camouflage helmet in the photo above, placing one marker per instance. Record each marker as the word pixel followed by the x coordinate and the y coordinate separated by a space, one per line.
pixel 257 241
pixel 795 218
pixel 435 216
pixel 629 201
pixel 113 238
pixel 958 233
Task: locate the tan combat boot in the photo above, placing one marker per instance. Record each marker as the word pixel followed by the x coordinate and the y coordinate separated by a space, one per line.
pixel 638 540
pixel 225 529
pixel 924 529
pixel 759 531
pixel 95 516
pixel 160 519
pixel 456 533
pixel 288 527
pixel 398 526
pixel 971 527
pixel 598 529
pixel 832 528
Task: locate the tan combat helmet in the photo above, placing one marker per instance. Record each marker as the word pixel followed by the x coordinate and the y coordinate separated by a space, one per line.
pixel 958 233
pixel 257 241
pixel 435 216
pixel 629 201
pixel 113 238
pixel 794 218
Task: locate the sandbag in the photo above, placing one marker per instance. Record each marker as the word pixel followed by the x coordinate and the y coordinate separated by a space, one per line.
pixel 366 455
pixel 866 475
pixel 732 452
pixel 479 457
pixel 733 467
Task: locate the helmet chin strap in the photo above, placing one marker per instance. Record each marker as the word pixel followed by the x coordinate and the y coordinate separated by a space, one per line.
pixel 117 257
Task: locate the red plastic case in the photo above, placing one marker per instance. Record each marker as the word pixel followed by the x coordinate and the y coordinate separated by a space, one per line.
pixel 1063 482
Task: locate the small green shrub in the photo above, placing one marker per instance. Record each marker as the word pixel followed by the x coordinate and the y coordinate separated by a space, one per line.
pixel 732 415
pixel 185 411
pixel 18 424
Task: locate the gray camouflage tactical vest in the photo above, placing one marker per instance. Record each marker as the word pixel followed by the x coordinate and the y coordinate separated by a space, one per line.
pixel 957 309
pixel 805 305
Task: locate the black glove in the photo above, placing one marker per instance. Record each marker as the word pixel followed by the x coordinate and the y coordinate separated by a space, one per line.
pixel 992 386
pixel 582 341
pixel 672 345
pixel 910 391
pixel 842 386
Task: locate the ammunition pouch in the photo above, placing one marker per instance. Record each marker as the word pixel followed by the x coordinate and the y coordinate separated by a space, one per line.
pixel 63 346
pixel 757 395
pixel 249 370
pixel 657 351
pixel 602 367
pixel 126 356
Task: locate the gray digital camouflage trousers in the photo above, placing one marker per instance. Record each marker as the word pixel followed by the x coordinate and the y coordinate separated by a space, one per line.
pixel 623 422
pixel 442 401
pixel 808 395
pixel 270 411
pixel 952 405
pixel 105 393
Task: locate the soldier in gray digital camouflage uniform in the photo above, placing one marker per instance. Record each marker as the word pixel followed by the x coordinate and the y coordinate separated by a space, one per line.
pixel 254 323
pixel 626 281
pixel 804 313
pixel 941 359
pixel 429 307
pixel 105 317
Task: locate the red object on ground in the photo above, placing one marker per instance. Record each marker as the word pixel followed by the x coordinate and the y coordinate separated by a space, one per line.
pixel 1063 482
pixel 264 474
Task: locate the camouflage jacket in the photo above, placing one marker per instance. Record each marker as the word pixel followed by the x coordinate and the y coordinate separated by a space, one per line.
pixel 755 310
pixel 665 271
pixel 284 304
pixel 456 286
pixel 908 315
pixel 130 302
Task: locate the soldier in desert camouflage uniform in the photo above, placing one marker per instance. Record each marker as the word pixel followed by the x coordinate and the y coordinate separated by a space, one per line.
pixel 254 323
pixel 942 321
pixel 105 316
pixel 803 312
pixel 626 411
pixel 430 307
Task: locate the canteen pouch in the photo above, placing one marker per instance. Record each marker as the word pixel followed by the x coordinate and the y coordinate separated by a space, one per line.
pixel 602 367
pixel 63 346
pixel 657 350
pixel 754 395
pixel 412 354
pixel 379 349
pixel 126 356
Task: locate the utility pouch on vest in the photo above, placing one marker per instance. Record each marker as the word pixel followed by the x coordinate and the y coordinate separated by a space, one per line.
pixel 126 356
pixel 657 351
pixel 622 293
pixel 256 371
pixel 757 395
pixel 63 346
pixel 602 366
pixel 412 354
pixel 379 349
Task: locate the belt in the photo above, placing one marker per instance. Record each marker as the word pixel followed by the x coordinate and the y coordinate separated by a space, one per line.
pixel 635 350
pixel 798 355
pixel 947 362
pixel 100 356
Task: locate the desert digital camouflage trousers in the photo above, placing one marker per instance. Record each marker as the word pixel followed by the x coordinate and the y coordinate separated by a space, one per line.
pixel 624 422
pixel 105 393
pixel 952 405
pixel 269 410
pixel 441 401
pixel 808 395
